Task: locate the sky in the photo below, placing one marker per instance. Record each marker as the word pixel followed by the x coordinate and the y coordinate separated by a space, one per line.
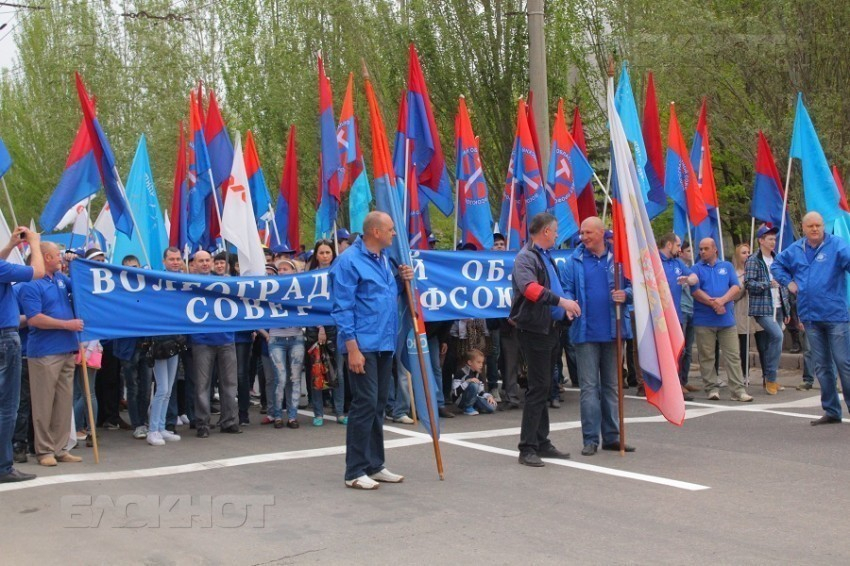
pixel 8 48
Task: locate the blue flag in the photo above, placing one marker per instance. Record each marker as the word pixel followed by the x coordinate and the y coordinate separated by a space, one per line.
pixel 5 158
pixel 818 183
pixel 358 202
pixel 624 100
pixel 141 192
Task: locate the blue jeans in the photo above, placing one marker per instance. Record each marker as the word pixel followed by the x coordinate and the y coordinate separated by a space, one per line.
pixel 287 356
pixel 398 401
pixel 830 344
pixel 10 391
pixel 187 399
pixel 469 398
pixel 364 436
pixel 164 372
pixel 434 352
pixel 81 412
pixel 137 378
pixel 597 372
pixel 774 346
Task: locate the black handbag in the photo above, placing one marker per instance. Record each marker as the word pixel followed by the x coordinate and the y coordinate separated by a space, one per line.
pixel 165 347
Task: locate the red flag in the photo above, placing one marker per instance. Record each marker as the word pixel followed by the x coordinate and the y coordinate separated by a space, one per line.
pixel 677 155
pixel 652 137
pixel 177 233
pixel 701 154
pixel 286 212
pixel 842 196
pixel 585 199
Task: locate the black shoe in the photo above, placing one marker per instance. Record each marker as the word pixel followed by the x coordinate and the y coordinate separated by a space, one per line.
pixel 553 452
pixel 588 450
pixel 232 429
pixel 513 406
pixel 826 419
pixel 445 413
pixel 615 447
pixel 171 428
pixel 20 455
pixel 688 397
pixel 203 432
pixel 531 459
pixel 244 422
pixel 293 424
pixel 16 476
pixel 796 349
pixel 554 404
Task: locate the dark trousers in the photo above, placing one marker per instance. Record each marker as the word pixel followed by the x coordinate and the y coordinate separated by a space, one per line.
pixel 108 389
pixel 510 364
pixel 687 351
pixel 493 361
pixel 244 379
pixel 569 351
pixel 137 378
pixel 23 436
pixel 364 435
pixel 540 351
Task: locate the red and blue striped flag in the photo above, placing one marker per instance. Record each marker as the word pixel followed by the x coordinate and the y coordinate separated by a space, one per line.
pixel 330 174
pixel 474 217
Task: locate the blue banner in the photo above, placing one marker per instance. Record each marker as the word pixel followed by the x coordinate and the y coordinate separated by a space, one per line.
pixel 118 302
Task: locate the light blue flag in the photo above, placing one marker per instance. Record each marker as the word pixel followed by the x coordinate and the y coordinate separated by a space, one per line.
pixel 818 183
pixel 841 228
pixel 359 199
pixel 141 193
pixel 5 158
pixel 624 101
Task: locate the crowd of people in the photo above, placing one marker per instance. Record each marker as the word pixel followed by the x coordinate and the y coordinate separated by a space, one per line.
pixel 560 332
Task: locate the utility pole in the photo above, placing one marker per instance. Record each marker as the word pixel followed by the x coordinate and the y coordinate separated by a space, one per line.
pixel 537 75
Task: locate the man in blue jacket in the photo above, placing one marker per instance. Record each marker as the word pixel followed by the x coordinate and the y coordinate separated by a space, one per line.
pixel 815 268
pixel 364 291
pixel 588 277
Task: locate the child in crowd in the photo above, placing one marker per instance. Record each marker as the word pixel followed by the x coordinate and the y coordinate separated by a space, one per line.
pixel 468 388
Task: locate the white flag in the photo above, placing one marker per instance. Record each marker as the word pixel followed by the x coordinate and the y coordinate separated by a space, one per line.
pixel 72 214
pixel 106 226
pixel 238 225
pixel 6 235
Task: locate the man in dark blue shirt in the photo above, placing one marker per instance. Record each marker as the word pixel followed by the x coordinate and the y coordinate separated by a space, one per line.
pixel 51 346
pixel 10 345
pixel 208 350
pixel 588 277
pixel 714 320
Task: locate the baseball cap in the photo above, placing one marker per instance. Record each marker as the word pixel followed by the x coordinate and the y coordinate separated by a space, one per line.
pixel 764 230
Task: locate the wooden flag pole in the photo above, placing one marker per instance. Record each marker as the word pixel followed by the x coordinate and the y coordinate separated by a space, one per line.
pixel 92 424
pixel 784 204
pixel 747 352
pixel 9 201
pixel 408 291
pixel 619 339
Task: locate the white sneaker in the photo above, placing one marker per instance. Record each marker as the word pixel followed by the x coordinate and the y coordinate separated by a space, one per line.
pixel 404 419
pixel 363 482
pixel 495 393
pixel 140 432
pixel 387 476
pixel 169 436
pixel 155 439
pixel 182 420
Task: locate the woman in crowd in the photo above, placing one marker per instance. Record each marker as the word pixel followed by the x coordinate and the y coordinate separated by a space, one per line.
pixel 739 260
pixel 322 257
pixel 286 350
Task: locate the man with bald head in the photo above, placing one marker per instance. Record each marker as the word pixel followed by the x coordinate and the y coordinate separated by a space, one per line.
pixel 714 321
pixel 364 291
pixel 209 350
pixel 588 277
pixel 51 346
pixel 815 267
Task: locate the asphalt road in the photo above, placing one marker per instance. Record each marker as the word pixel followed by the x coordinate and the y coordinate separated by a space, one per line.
pixel 737 484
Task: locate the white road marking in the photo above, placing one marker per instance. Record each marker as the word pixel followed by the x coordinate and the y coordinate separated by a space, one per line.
pixel 415 437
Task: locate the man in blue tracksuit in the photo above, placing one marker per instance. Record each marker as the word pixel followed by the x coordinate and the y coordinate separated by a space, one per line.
pixel 815 267
pixel 588 278
pixel 364 291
